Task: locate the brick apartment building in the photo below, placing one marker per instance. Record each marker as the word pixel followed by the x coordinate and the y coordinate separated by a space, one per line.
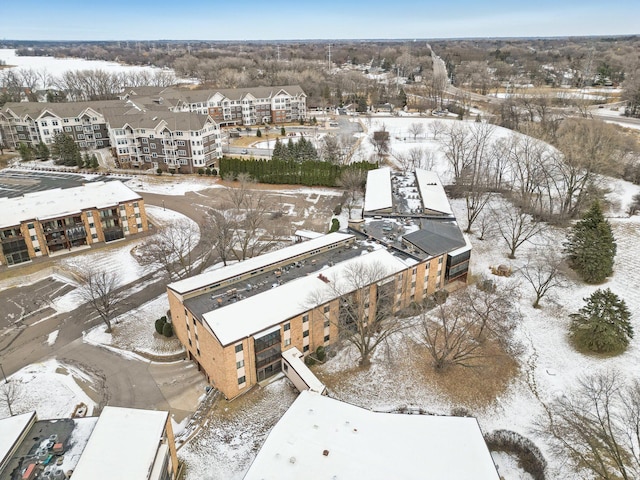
pixel 60 220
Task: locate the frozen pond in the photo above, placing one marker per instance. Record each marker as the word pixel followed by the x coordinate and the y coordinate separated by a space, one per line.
pixel 56 67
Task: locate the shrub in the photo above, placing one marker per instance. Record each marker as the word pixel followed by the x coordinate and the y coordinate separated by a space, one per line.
pixel 167 330
pixel 258 133
pixel 309 361
pixel 335 225
pixel 283 132
pixel 159 171
pixel 160 324
pixel 338 209
pixel 321 354
pixel 201 171
pixel 214 171
pixel 440 297
pixel 530 459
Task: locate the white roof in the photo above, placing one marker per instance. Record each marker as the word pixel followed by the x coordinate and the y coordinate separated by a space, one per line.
pixel 60 202
pixel 11 429
pixel 308 234
pixel 251 264
pixel 241 319
pixel 364 444
pixel 432 192
pixel 293 357
pixel 378 193
pixel 122 446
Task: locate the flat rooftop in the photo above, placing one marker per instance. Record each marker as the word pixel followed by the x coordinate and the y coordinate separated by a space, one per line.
pixel 73 434
pixel 335 440
pixel 124 444
pixel 16 183
pixel 256 314
pixel 260 283
pixel 61 202
pixel 265 260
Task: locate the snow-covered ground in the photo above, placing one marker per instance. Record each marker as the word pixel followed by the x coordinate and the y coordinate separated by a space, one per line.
pixel 135 331
pixel 56 67
pixel 52 388
pixel 169 185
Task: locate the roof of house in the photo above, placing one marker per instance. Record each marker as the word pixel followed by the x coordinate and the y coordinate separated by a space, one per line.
pixel 230 271
pixel 337 440
pixel 378 194
pixel 198 96
pixel 123 444
pixel 66 109
pixel 12 429
pixel 432 192
pixel 61 202
pixel 240 320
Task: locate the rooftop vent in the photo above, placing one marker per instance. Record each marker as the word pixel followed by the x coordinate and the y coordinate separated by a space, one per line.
pixel 325 453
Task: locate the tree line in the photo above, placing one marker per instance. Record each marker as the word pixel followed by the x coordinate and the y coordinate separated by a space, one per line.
pixel 276 171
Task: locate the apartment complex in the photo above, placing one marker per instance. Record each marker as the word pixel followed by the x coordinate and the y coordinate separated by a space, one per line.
pixel 33 122
pixel 176 142
pixel 236 321
pixel 123 443
pixel 239 106
pixel 52 221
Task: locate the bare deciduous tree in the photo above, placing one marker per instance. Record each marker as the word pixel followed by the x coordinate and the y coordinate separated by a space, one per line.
pixel 449 337
pixel 101 290
pixel 353 181
pixel 415 129
pixel 516 227
pixel 596 427
pixel 542 272
pixel 9 393
pixel 367 302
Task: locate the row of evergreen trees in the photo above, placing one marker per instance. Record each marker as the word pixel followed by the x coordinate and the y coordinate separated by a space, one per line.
pixel 275 171
pixel 300 151
pixel 64 150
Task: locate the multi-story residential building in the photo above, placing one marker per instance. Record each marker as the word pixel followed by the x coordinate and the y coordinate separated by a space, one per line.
pixel 170 141
pixel 60 220
pixel 239 106
pixel 236 321
pixel 85 122
pixel 120 443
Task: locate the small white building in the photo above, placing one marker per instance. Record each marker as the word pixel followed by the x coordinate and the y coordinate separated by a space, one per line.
pixel 319 437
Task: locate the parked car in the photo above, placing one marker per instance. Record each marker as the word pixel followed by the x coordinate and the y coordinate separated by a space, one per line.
pixel 244 151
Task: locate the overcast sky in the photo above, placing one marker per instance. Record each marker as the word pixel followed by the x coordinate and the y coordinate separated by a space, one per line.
pixel 327 19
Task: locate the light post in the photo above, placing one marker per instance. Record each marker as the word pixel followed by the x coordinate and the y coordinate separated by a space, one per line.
pixel 3 375
pixel 163 209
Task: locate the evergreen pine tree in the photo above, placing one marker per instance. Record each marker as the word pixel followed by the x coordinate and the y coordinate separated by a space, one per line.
pixel 94 161
pixel 42 151
pixel 602 325
pixel 591 246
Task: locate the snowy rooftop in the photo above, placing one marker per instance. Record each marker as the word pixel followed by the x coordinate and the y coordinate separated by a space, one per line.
pixel 60 202
pixel 123 444
pixel 230 271
pixel 12 429
pixel 241 319
pixel 378 193
pixel 294 357
pixel 433 195
pixel 336 440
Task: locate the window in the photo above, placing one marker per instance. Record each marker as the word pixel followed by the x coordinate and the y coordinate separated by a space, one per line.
pixel 305 318
pixel 327 323
pixel 67 129
pixel 242 380
pixel 238 348
pixel 326 338
pixel 92 225
pixel 240 364
pixel 78 128
pixel 287 342
pixel 440 260
pixel 287 326
pixel 305 348
pixel 94 236
pixel 30 226
pixel 305 333
pixel 326 309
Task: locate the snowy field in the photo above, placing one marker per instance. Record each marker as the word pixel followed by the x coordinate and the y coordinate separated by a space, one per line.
pixel 168 185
